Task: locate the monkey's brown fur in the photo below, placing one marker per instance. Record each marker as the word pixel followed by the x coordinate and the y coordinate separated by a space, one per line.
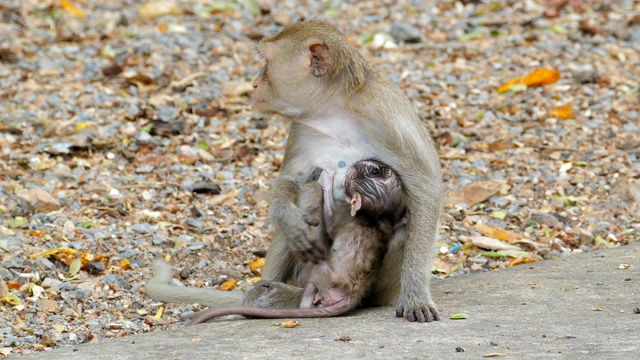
pixel 337 285
pixel 341 110
pixel 356 99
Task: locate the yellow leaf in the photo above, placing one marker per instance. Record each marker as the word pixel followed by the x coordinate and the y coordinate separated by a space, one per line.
pixel 536 78
pixel 72 9
pixel 125 264
pixel 158 314
pixel 228 285
pixel 81 126
pixel 289 324
pixel 563 112
pixel 542 77
pixel 11 299
pixel 256 266
pixel 56 251
pixel 523 261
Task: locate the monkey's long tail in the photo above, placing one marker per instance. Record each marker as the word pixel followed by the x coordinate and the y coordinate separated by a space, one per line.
pixel 335 310
pixel 159 288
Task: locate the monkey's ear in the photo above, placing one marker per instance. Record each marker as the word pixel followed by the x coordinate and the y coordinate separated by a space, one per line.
pixel 319 59
pixel 356 203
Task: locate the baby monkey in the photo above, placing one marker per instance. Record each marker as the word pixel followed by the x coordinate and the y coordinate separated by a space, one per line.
pixel 360 230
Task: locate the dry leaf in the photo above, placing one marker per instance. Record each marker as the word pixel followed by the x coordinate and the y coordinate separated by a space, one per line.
pixel 5 351
pixel 256 266
pixel 158 314
pixel 536 78
pixel 563 112
pixel 72 9
pixel 11 299
pixel 491 244
pixel 228 285
pixel 289 324
pixel 475 193
pixel 125 264
pixel 153 9
pixel 523 261
pixel 504 235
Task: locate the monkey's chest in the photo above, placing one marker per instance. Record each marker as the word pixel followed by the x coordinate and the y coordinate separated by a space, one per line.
pixel 337 154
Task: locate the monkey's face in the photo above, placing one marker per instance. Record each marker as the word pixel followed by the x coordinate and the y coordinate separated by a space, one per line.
pixel 291 81
pixel 374 188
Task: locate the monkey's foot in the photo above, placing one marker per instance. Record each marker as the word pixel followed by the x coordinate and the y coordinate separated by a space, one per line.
pixel 420 313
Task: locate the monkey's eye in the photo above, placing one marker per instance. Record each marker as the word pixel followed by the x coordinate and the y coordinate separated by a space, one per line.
pixel 375 171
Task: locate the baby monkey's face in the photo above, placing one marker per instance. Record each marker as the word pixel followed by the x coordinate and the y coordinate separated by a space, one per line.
pixel 373 187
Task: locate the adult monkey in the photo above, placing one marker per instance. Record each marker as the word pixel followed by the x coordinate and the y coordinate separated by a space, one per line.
pixel 342 109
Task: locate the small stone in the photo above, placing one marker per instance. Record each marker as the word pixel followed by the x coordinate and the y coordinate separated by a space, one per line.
pixel 403 32
pixel 37 200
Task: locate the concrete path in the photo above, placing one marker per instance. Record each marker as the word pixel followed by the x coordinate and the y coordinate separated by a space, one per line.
pixel 543 310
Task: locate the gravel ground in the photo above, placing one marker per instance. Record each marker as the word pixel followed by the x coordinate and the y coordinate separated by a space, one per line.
pixel 127 133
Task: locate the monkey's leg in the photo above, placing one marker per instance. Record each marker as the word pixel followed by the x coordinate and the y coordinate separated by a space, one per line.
pixel 386 281
pixel 273 295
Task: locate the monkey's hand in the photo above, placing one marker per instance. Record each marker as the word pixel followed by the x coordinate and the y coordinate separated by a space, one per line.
pixel 304 235
pixel 417 308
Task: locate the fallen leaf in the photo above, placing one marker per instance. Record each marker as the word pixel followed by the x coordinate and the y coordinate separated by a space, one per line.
pixel 17 222
pixel 598 308
pixel 623 266
pixel 491 244
pixel 156 8
pixel 538 77
pixel 563 112
pixel 72 9
pixel 459 316
pixel 125 264
pixel 11 299
pixel 289 324
pixel 75 266
pixel 494 354
pixel 500 234
pixel 256 266
pixel 500 215
pixel 159 313
pixel 5 351
pixel 507 253
pixel 228 285
pixel 47 341
pixel 474 193
pixel 523 261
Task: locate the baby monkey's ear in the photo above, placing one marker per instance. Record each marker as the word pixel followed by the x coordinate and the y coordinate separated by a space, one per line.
pixel 356 203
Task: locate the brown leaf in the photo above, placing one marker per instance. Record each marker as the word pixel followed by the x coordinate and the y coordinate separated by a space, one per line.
pixel 474 193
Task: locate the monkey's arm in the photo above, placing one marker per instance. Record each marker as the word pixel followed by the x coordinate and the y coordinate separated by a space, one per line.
pixel 159 288
pixel 326 181
pixel 299 229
